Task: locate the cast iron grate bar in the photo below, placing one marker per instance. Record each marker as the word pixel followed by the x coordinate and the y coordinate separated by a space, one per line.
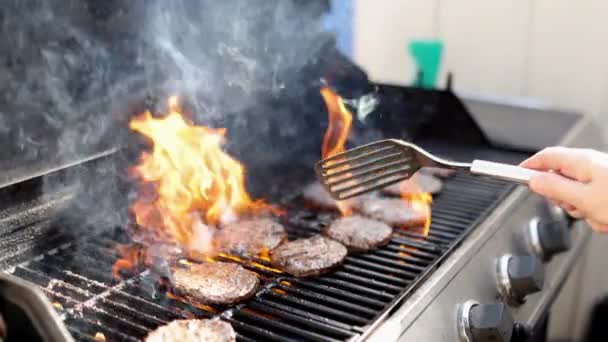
pixel 335 307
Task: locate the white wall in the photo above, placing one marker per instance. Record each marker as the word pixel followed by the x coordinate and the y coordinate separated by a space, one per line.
pixel 381 30
pixel 554 50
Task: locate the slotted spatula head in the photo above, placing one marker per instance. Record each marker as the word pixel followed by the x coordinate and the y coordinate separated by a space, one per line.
pixel 370 167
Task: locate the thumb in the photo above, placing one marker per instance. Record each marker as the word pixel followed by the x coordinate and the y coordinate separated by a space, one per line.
pixel 598 227
pixel 558 188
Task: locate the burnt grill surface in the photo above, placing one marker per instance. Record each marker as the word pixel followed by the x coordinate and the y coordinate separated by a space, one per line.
pixel 76 276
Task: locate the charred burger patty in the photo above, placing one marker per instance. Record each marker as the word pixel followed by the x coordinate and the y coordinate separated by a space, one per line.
pixel 215 283
pixel 308 257
pixel 359 233
pixel 193 330
pixel 251 237
pixel 392 211
pixel 418 183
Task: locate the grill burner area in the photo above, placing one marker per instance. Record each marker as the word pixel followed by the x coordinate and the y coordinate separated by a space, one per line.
pixel 340 306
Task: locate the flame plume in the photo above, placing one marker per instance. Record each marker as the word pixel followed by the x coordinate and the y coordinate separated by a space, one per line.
pixel 338 130
pixel 421 203
pixel 189 184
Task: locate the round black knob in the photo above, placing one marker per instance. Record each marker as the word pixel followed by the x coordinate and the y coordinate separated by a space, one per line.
pixel 549 238
pixel 527 275
pixel 491 322
pixel 519 276
pixel 521 332
pixel 484 322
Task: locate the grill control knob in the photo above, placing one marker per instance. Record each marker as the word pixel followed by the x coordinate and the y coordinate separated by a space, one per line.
pixel 519 276
pixel 559 214
pixel 548 238
pixel 485 322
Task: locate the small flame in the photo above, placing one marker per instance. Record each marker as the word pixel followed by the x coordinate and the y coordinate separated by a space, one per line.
pixel 264 254
pixel 99 336
pixel 184 262
pixel 338 130
pixel 279 291
pixel 419 201
pixel 340 122
pixel 132 256
pixel 207 308
pixel 252 263
pixel 57 305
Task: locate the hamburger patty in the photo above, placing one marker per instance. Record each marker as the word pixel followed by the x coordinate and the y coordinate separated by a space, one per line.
pixel 215 283
pixel 193 330
pixel 316 195
pixel 308 257
pixel 359 233
pixel 438 172
pixel 250 237
pixel 392 211
pixel 418 183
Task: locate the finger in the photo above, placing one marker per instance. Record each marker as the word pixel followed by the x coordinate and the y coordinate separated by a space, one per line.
pixel 577 214
pixel 568 207
pixel 558 188
pixel 563 205
pixel 572 163
pixel 556 203
pixel 598 227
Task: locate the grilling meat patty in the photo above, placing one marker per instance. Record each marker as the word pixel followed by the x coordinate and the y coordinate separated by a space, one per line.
pixel 316 195
pixel 392 211
pixel 251 237
pixel 308 257
pixel 215 283
pixel 418 183
pixel 438 172
pixel 193 330
pixel 359 233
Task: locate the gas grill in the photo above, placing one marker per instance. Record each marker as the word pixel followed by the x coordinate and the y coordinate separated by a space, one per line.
pixel 415 288
pixel 77 277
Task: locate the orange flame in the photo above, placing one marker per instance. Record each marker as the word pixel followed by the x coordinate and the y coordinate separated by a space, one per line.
pixel 99 336
pixel 132 256
pixel 197 185
pixel 201 306
pixel 340 122
pixel 338 130
pixel 419 201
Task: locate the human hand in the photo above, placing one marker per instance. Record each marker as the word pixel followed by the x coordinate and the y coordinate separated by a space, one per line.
pixel 576 180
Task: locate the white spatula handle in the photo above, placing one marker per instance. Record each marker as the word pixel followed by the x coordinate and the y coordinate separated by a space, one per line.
pixel 507 172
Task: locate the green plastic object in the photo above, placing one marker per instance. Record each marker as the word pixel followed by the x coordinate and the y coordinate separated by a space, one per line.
pixel 427 55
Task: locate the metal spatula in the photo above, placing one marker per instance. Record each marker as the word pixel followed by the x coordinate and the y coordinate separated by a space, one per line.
pixel 377 165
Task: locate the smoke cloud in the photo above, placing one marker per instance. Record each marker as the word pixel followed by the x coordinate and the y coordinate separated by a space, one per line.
pixel 75 71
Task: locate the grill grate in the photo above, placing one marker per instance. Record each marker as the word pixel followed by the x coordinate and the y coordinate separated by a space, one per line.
pixel 335 307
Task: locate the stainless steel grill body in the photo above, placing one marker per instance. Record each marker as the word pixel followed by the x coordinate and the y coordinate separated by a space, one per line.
pixel 470 274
